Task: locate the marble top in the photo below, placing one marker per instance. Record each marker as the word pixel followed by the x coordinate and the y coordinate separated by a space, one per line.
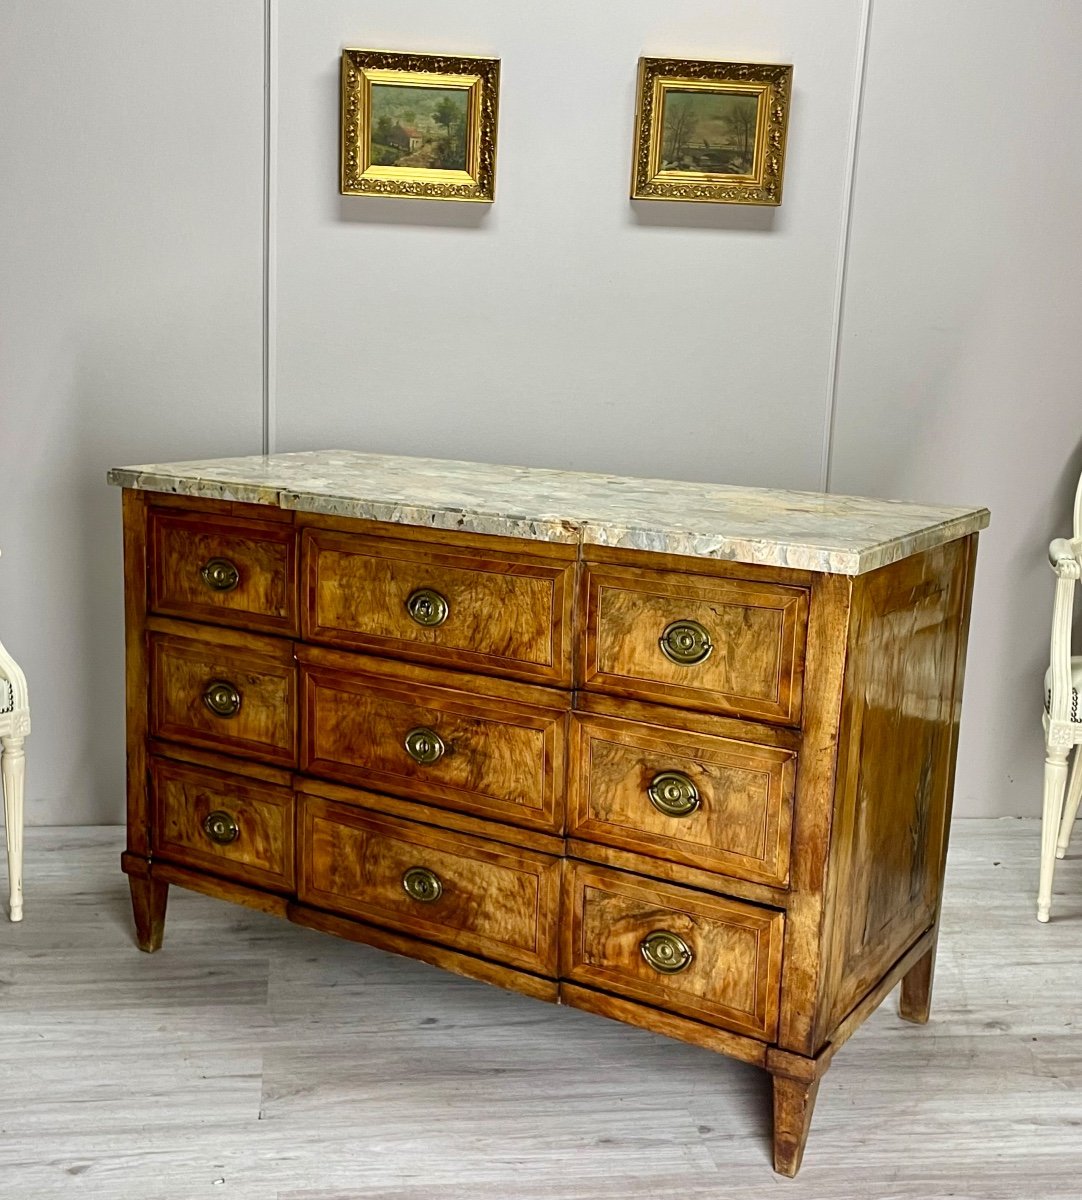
pixel 813 531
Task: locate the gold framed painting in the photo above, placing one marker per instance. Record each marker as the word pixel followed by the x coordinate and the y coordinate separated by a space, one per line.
pixel 710 131
pixel 419 125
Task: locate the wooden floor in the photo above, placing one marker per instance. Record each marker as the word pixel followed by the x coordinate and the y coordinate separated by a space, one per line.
pixel 253 1059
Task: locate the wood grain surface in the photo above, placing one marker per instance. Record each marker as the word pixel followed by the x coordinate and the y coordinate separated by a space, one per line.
pixel 281 777
pixel 813 809
pixel 732 979
pixel 757 631
pixel 412 809
pixel 819 735
pixel 222 508
pixel 895 767
pixel 794 1103
pixel 498 902
pixel 743 821
pixel 263 673
pixel 136 672
pixel 687 564
pixel 675 872
pixel 480 969
pixel 688 720
pixel 508 613
pixel 184 796
pixel 505 758
pixel 149 898
pixel 215 886
pixel 263 553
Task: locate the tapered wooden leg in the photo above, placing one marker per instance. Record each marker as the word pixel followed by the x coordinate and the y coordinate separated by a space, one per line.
pixel 148 900
pixel 794 1103
pixel 12 766
pixel 915 1001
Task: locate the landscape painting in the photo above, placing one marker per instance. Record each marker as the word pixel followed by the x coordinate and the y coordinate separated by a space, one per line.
pixel 419 126
pixel 709 132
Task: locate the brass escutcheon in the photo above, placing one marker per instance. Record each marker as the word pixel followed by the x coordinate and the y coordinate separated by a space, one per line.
pixel 685 643
pixel 422 884
pixel 666 952
pixel 673 793
pixel 427 607
pixel 222 698
pixel 220 575
pixel 220 827
pixel 424 745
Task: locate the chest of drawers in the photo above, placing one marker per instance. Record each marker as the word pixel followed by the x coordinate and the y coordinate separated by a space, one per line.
pixel 678 755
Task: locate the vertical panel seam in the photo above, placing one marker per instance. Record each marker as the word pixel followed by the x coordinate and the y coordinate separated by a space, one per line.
pixel 270 169
pixel 841 282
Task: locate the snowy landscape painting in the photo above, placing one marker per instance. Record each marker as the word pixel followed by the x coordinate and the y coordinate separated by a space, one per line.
pixel 709 131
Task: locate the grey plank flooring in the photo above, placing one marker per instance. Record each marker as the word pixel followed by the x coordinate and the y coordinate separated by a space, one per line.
pixel 253 1060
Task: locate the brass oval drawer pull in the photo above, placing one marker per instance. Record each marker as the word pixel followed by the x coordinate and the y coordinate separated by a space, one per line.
pixel 422 884
pixel 685 643
pixel 220 575
pixel 674 794
pixel 425 746
pixel 666 952
pixel 220 827
pixel 222 698
pixel 427 607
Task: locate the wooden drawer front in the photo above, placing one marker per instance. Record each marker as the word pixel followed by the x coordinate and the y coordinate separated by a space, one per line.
pixel 732 977
pixel 508 614
pixel 719 804
pixel 183 672
pixel 503 758
pixel 227 824
pixel 494 901
pixel 756 632
pixel 194 560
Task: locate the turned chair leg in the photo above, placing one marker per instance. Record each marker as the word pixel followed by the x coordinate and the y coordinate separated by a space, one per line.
pixel 12 767
pixel 1055 781
pixel 1070 809
pixel 148 901
pixel 915 1002
pixel 794 1103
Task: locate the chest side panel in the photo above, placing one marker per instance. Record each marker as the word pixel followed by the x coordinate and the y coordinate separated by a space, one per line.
pixel 896 756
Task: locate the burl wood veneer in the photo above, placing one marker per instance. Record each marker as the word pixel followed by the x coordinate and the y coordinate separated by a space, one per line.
pixel 677 755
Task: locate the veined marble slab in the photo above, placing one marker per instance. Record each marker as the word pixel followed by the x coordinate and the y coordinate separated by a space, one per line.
pixel 812 531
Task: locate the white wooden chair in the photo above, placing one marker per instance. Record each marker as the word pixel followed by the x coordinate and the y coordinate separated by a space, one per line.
pixel 14 726
pixel 1063 713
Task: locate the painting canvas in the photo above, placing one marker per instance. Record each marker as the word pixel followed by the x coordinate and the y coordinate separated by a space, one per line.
pixel 709 131
pixel 419 126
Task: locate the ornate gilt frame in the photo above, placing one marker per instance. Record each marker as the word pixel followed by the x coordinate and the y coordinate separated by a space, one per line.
pixel 479 77
pixel 772 84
